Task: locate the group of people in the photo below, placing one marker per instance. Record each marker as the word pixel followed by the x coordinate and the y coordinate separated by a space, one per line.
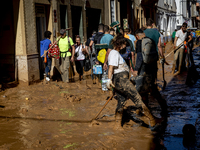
pixel 69 52
pixel 130 77
pixel 143 72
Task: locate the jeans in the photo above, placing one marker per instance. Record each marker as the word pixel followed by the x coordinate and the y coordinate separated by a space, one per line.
pixel 64 67
pixel 45 67
pixel 79 66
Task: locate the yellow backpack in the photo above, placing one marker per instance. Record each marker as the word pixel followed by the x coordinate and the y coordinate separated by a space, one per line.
pixel 101 55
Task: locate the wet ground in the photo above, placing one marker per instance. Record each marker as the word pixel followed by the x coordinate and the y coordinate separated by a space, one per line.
pixel 58 116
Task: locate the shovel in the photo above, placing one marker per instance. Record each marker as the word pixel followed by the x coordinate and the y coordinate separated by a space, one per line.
pixel 93 121
pixel 163 71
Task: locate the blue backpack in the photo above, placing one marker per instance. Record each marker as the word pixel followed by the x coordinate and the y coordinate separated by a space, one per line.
pixel 126 53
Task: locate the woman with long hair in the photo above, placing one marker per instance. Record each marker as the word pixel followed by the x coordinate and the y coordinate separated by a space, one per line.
pixel 80 52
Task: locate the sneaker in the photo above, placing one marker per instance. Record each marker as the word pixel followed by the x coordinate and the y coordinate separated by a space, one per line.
pixel 47 79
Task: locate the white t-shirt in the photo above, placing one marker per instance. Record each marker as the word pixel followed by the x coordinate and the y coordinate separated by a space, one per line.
pixel 79 50
pixel 116 60
pixel 181 37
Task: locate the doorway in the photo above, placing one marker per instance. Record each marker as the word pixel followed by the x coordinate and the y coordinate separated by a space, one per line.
pixel 93 18
pixel 7 40
pixel 42 18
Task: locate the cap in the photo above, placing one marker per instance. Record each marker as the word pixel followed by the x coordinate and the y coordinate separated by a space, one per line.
pixel 62 31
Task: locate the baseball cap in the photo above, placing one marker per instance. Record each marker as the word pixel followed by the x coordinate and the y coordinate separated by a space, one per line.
pixel 62 31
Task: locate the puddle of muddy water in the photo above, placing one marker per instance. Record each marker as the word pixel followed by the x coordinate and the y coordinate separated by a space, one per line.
pixel 182 101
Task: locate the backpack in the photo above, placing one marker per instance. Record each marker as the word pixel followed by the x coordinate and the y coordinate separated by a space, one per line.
pixel 126 52
pixel 149 52
pixel 97 38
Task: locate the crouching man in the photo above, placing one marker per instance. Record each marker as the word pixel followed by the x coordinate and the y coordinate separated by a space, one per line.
pixel 124 89
pixel 146 70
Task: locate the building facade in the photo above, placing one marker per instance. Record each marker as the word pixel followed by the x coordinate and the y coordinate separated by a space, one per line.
pixel 184 12
pixel 25 21
pixel 166 17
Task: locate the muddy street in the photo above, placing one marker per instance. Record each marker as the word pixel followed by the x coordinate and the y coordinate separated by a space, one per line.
pixel 58 116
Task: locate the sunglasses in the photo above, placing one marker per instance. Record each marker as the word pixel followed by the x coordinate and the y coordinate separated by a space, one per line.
pixel 184 26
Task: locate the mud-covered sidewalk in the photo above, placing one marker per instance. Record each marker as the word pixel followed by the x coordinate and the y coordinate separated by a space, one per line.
pixel 57 116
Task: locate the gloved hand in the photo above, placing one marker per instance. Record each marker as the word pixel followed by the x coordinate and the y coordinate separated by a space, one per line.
pixel 162 60
pixel 109 84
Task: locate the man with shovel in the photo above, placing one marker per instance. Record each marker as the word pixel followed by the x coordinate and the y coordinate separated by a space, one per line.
pixel 179 53
pixel 145 70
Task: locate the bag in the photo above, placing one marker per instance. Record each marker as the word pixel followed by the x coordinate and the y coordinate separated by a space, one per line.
pixel 126 52
pixel 97 38
pixel 70 47
pixel 87 65
pixel 97 69
pixel 101 55
pixel 149 52
pixel 54 52
pixel 77 53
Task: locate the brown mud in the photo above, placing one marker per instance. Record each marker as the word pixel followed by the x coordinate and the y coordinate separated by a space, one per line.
pixel 57 116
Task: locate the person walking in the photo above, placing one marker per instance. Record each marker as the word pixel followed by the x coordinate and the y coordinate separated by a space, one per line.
pixel 80 52
pixel 45 62
pixel 145 70
pixel 179 53
pixel 106 38
pixel 96 40
pixel 64 44
pixel 155 36
pixel 131 37
pixel 190 44
pixel 92 52
pixel 112 32
pixel 118 74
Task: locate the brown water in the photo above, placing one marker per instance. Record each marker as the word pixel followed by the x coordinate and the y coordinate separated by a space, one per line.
pixel 44 116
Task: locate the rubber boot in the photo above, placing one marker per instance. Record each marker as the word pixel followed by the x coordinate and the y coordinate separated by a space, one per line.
pixel 179 70
pixel 154 122
pixel 163 104
pixel 118 120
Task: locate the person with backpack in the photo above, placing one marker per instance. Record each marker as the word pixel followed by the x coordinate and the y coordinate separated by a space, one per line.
pixel 118 79
pixel 64 44
pixel 97 37
pixel 155 36
pixel 45 62
pixel 92 52
pixel 80 52
pixel 106 38
pixel 145 70
pixel 96 40
pixel 132 37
